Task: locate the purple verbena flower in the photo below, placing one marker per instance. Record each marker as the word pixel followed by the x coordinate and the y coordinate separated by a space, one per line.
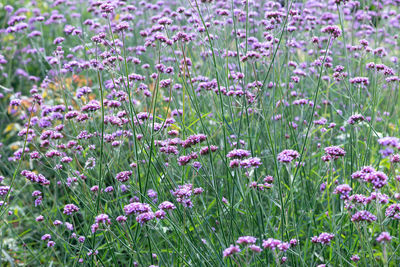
pixel 136 207
pixel 287 156
pixel 69 209
pixel 145 217
pixel 246 240
pixel 393 211
pixel 323 238
pixel 363 216
pixel 384 237
pixel 231 250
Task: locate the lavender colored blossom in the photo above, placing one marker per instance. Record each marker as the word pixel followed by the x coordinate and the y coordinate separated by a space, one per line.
pixel 333 153
pixel 46 237
pixel 102 218
pixel 323 238
pixel 193 140
pixel 238 153
pixel 377 179
pixel 4 190
pixel 363 216
pixel 384 237
pixel 123 176
pixel 343 190
pixel 355 119
pixel 121 219
pixel 145 217
pixel 136 207
pixel 288 156
pixel 166 205
pixel 393 211
pixel 246 240
pixel 355 258
pixel 69 209
pixel 230 251
pixel 271 243
pixel 334 30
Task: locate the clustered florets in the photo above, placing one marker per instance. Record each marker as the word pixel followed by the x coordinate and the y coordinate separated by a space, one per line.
pixel 287 156
pixel 323 238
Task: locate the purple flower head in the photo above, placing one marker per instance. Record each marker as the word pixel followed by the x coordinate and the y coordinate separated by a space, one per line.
pixel 184 160
pixel 378 197
pixel 58 40
pixel 355 258
pixel 388 144
pixel 4 190
pixel 230 251
pixel 83 91
pixel 238 153
pixel 235 163
pixel 322 187
pixel 94 188
pixel 293 242
pixel 166 205
pixel 15 102
pixel 363 173
pixel 395 158
pixel 152 194
pixel 284 246
pixel 94 227
pixel 136 207
pixel 183 191
pixel 287 156
pixel 160 214
pixel 377 179
pixel 9 9
pixel 323 238
pixel 250 162
pixel 393 211
pixel 334 152
pixel 338 2
pixel 109 189
pixel 384 237
pixel 34 193
pixel 333 30
pixel 57 222
pixel 193 140
pixel 343 190
pixel 145 217
pixel 123 176
pixel 46 237
pixel 103 218
pixel 271 243
pixel 93 105
pixel 268 179
pixel 355 119
pixel 69 226
pixel 69 209
pixel 363 216
pixel 246 240
pixel 255 248
pixel 121 219
pixel 197 165
pixel 386 152
pixel 359 80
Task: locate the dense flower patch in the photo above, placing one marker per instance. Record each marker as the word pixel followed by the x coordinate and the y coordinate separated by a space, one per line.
pixel 199 133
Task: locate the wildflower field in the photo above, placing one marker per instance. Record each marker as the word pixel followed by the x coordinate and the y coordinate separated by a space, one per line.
pixel 199 133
